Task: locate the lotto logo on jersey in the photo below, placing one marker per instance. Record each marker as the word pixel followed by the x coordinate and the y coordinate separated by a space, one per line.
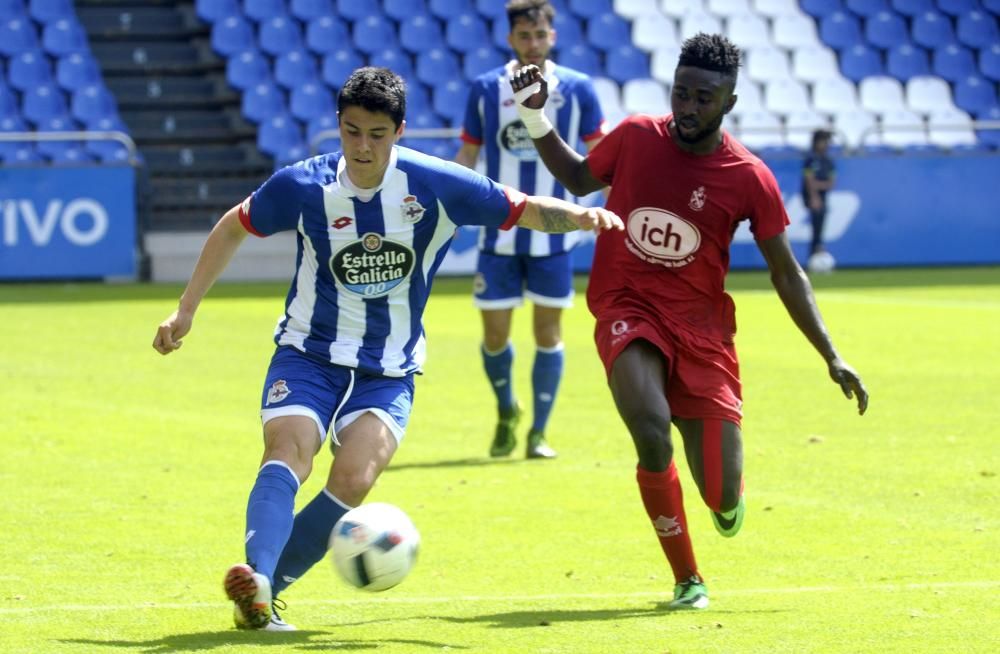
pixel 658 236
pixel 372 266
pixel 513 137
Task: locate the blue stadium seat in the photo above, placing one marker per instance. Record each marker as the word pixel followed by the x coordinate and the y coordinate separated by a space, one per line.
pixel 867 7
pixel 261 101
pixel 905 61
pixel 105 150
pixel 247 68
pixel 323 123
pixel 394 59
pixel 355 11
pixel 9 104
pixel 420 32
pixel 93 102
pixel 991 5
pixel 28 69
pixel 582 58
pixel 24 155
pixel 11 9
pixel 978 29
pixel 569 30
pixel 626 62
pixel 17 35
pixel 500 30
pixel 263 10
pixel 932 29
pixel 232 34
pixel 63 36
pixel 425 120
pixel 43 102
pixel 211 11
pixel 445 9
pixel 990 137
pixel 77 69
pixel 975 94
pixel 46 11
pixel 820 8
pixel 953 62
pixel 608 31
pixel 278 133
pixel 450 99
pixel 74 155
pixel 294 68
pixel 372 33
pixel 12 123
pixel 280 34
pixel 400 10
pixel 957 7
pixel 436 66
pixel 307 10
pixel 913 8
pixel 326 34
pixel 311 100
pixel 418 100
pixel 53 149
pixel 840 29
pixel 492 9
pixel 338 66
pixel 591 8
pixel 859 62
pixel 466 32
pixel 886 29
pixel 480 60
pixel 989 62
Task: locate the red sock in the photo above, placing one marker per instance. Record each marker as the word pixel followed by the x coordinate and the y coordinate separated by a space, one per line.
pixel 664 502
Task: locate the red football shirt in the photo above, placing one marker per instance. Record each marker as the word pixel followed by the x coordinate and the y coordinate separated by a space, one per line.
pixel 680 211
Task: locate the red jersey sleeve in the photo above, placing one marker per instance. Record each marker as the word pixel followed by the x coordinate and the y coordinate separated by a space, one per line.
pixel 768 217
pixel 603 159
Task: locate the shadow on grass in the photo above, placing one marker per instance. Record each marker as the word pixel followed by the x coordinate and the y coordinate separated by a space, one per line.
pixel 279 641
pixel 459 463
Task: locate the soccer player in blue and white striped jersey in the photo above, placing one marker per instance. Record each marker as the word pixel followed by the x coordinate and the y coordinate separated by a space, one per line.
pixel 519 263
pixel 373 223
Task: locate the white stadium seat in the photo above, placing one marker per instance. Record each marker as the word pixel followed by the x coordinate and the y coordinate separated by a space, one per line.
pixel 678 8
pixel 950 127
pixel 608 94
pixel 654 31
pixel 633 9
pixel 785 96
pixel 813 63
pixel 748 30
pixel 794 31
pixel 772 8
pixel 664 63
pixel 767 63
pixel 881 94
pixel 749 97
pixel 693 23
pixel 856 126
pixel 926 94
pixel 834 95
pixel 800 126
pixel 728 7
pixel 645 96
pixel 902 127
pixel 761 129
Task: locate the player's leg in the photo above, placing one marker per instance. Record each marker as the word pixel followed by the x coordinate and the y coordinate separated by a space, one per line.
pixel 714 449
pixel 498 290
pixel 550 288
pixel 818 220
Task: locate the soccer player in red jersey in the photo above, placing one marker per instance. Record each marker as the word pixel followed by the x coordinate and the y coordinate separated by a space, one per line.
pixel 665 325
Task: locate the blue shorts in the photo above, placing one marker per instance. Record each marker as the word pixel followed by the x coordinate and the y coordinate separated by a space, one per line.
pixel 503 281
pixel 333 396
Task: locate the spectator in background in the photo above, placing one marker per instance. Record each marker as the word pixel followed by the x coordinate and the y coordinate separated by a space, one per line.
pixel 818 174
pixel 521 263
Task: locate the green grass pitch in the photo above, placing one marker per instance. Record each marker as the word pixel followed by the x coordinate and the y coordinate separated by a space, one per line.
pixel 124 475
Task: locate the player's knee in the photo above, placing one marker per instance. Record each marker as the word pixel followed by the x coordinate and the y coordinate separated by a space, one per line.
pixel 651 435
pixel 352 486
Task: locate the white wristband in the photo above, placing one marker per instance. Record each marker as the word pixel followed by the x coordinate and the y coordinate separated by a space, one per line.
pixel 535 120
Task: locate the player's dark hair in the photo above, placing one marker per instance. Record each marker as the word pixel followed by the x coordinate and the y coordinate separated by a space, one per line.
pixel 375 90
pixel 821 135
pixel 711 52
pixel 532 11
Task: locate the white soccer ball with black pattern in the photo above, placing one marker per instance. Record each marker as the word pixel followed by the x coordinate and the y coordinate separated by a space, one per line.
pixel 374 546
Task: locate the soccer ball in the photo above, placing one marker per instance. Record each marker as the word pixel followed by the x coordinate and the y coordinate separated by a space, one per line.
pixel 821 262
pixel 374 546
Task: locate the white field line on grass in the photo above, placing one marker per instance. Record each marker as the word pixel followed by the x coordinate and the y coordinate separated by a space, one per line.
pixel 944 585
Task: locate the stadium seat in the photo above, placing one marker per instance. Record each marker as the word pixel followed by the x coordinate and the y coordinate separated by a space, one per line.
pixel 10 106
pixel 27 69
pixel 466 32
pixel 42 102
pixel 813 63
pixel 280 34
pixel 749 97
pixel 608 93
pixel 926 94
pixel 63 36
pixel 46 11
pixel 726 8
pixel 678 8
pixel 211 11
pixel 834 95
pixel 794 31
pixel 326 34
pixel 800 125
pixel 664 64
pixel 309 10
pixel 445 9
pixel 278 133
pixel 261 101
pixel 17 35
pixel 820 8
pixel 374 32
pixel 73 155
pixel 645 96
pixel 449 100
pixel 627 62
pixel 244 69
pixel 481 60
pixel 395 59
pixel 311 100
pixel 425 120
pixel 859 62
pixel 932 29
pixel 772 8
pixel 436 66
pixel 325 123
pixel 77 69
pixel 950 128
pixel 24 155
pixel 261 11
pixel 418 100
pixel 975 94
pixel 356 11
pixel 232 34
pixel 886 29
pixel 338 66
pixel 499 32
pixel 978 29
pixel 902 128
pixel 748 31
pixel 695 22
pixel 840 29
pixel 53 149
pixel 991 5
pixel 957 7
pixel 400 10
pixel 905 61
pixel 590 9
pixel 105 149
pixel 654 31
pixel 953 62
pixel 421 32
pixel 989 62
pixel 582 58
pixel 912 8
pixel 10 123
pixel 569 30
pixel 881 94
pixel 92 102
pixel 767 63
pixel 630 9
pixel 608 31
pixel 867 8
pixel 761 129
pixel 990 137
pixel 294 68
pixel 785 96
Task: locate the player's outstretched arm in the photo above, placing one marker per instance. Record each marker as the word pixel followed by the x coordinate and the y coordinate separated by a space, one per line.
pixel 566 164
pixel 222 243
pixel 556 216
pixel 796 294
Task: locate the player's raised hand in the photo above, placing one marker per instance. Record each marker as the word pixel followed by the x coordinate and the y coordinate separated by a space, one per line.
pixel 599 219
pixel 850 383
pixel 530 88
pixel 171 331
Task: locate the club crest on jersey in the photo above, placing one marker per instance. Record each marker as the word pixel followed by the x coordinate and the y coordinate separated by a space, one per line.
pixel 662 237
pixel 697 202
pixel 514 138
pixel 372 266
pixel 279 391
pixel 411 209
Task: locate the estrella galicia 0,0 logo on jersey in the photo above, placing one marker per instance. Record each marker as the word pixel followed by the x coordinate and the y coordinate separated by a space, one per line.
pixel 372 266
pixel 514 138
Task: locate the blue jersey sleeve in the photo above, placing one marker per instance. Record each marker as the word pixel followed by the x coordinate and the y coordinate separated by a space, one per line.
pixel 591 116
pixel 473 199
pixel 276 205
pixel 472 126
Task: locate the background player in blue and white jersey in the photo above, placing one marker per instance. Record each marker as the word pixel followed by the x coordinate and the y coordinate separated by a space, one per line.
pixel 518 263
pixel 373 224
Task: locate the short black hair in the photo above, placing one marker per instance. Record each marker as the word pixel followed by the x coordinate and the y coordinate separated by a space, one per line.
pixel 531 10
pixel 711 52
pixel 375 90
pixel 821 135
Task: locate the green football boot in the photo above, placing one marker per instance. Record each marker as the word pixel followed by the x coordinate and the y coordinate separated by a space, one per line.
pixel 505 438
pixel 538 448
pixel 728 524
pixel 690 595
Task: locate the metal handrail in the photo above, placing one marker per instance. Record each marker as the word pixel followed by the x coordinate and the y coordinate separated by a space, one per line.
pixel 107 135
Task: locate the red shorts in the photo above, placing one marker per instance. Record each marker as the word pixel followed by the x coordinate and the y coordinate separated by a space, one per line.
pixel 703 375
